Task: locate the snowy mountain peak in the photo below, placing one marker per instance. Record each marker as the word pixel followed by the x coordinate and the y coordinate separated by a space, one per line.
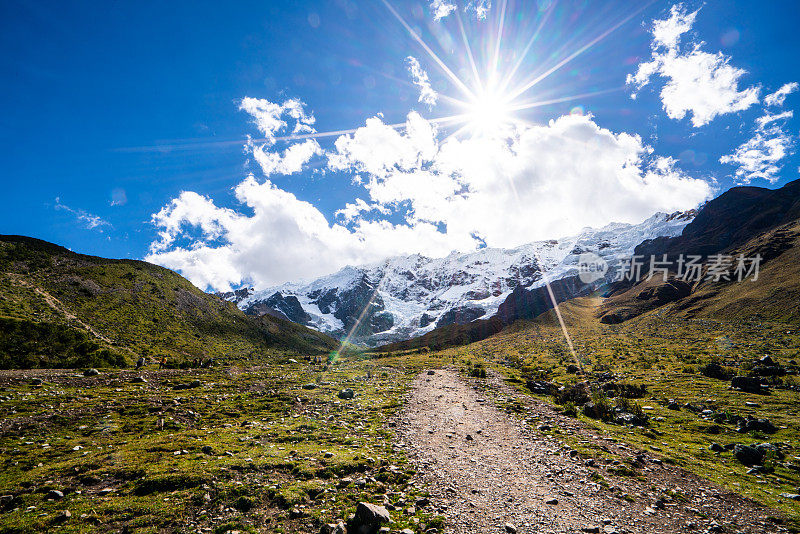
pixel 406 296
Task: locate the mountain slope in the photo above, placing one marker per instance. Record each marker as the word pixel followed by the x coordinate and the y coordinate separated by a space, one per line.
pixel 747 221
pixel 409 296
pixel 111 311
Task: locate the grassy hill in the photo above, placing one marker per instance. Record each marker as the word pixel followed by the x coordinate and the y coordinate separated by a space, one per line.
pixel 774 296
pixel 62 309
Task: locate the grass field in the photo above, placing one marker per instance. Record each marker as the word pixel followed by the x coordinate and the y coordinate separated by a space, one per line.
pixel 249 449
pixel 666 357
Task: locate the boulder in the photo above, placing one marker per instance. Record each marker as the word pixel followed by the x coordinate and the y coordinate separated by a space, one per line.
pixel 346 394
pixel 769 448
pixel 91 372
pixel 748 455
pixel 541 387
pixel 625 418
pixel 748 384
pixel 368 519
pixel 751 424
pixel 331 528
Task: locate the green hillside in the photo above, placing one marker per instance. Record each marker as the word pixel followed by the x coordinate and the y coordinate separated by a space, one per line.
pixel 62 309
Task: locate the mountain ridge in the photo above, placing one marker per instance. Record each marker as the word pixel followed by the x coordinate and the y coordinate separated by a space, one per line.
pixel 407 296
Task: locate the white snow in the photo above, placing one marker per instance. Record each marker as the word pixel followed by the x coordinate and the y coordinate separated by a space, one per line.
pixel 411 286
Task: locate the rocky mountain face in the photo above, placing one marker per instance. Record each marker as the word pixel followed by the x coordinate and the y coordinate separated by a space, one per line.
pixel 744 221
pixel 407 296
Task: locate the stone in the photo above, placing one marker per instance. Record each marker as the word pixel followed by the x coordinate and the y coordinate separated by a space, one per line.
pixel 55 495
pixel 62 516
pixel 551 501
pixel 748 455
pixel 792 496
pixel 207 449
pixel 751 424
pixel 510 529
pixel 423 502
pixel 138 380
pixel 591 529
pixel 368 519
pixel 769 448
pixel 91 372
pixel 346 394
pixel 331 528
pixel 716 447
pixel 310 385
pixel 36 381
pixel 469 437
pixel 625 418
pixel 748 384
pixel 431 373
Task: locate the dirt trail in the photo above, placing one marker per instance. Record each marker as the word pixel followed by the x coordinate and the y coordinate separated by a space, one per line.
pixel 58 306
pixel 509 470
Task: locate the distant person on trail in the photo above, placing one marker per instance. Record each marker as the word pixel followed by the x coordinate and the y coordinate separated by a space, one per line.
pixel 163 362
pixel 140 362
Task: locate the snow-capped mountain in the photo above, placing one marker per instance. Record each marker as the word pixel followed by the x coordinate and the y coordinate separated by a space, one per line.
pixel 407 296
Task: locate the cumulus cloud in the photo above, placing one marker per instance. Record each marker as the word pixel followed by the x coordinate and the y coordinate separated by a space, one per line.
pixel 420 78
pixel 543 181
pixel 539 182
pixel 274 119
pixel 760 156
pixel 778 97
pixel 480 8
pixel 283 239
pixel 696 82
pixel 441 9
pixel 290 161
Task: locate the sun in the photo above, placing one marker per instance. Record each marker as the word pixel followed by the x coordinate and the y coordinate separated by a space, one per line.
pixel 489 114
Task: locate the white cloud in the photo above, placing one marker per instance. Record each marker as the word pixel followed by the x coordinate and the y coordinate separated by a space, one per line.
pixel 540 182
pixel 284 239
pixel 88 220
pixel 697 82
pixel 269 116
pixel 420 78
pixel 778 97
pixel 760 156
pixel 543 181
pixel 441 9
pixel 273 119
pixel 480 8
pixel 291 161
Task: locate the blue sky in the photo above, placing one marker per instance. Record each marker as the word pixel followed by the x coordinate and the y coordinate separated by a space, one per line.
pixel 114 112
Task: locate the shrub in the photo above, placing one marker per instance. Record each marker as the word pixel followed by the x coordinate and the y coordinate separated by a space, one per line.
pixel 575 394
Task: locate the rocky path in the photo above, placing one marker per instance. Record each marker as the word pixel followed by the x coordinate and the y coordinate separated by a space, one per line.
pixel 493 472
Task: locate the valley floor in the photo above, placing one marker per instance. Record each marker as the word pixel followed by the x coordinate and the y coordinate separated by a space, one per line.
pixel 487 468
